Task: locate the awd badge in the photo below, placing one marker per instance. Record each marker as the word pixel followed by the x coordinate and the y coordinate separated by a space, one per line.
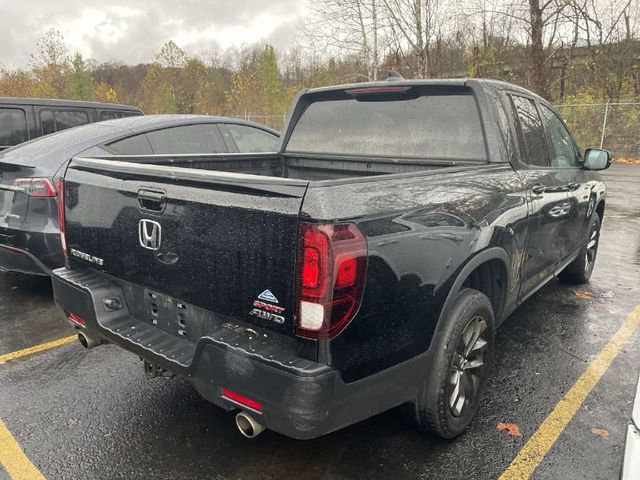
pixel 267 311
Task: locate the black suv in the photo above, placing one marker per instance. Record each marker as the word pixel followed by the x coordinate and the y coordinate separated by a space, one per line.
pixel 23 119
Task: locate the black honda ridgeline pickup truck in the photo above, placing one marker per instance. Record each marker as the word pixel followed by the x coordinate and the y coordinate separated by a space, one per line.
pixel 363 266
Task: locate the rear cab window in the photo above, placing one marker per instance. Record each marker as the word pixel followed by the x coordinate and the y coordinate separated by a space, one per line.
pixel 54 120
pixel 13 127
pixel 424 122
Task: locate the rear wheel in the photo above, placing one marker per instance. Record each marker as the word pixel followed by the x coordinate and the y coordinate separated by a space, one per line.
pixel 450 395
pixel 579 271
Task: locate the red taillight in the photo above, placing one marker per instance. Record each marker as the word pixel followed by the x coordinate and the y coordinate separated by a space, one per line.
pixel 347 273
pixel 241 399
pixel 77 320
pixel 61 217
pixel 332 264
pixel 310 268
pixel 34 187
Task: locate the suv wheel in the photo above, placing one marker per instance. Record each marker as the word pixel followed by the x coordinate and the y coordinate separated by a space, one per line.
pixel 459 367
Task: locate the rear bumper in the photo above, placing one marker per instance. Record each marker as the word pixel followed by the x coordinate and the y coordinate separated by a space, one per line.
pixel 301 398
pixel 14 259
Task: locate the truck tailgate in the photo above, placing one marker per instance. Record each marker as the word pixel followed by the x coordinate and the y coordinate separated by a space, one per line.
pixel 220 241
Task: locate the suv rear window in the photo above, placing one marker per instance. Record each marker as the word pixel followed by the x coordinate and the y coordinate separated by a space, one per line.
pixel 433 125
pixel 13 127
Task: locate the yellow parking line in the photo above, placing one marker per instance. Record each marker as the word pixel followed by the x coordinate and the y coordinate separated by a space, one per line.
pixel 534 451
pixel 13 459
pixel 37 348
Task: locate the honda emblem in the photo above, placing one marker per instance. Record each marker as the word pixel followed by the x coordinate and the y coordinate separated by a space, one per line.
pixel 149 234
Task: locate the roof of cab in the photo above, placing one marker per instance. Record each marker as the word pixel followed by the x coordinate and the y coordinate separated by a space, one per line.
pixel 149 122
pixel 444 82
pixel 56 102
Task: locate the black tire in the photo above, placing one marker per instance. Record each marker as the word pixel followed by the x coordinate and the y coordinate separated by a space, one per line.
pixel 432 409
pixel 579 271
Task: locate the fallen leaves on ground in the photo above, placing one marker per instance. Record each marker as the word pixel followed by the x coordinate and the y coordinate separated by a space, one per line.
pixel 511 428
pixel 582 294
pixel 601 432
pixel 631 160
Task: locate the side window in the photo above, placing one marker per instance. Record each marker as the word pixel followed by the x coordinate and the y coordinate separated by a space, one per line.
pixel 531 132
pixel 110 115
pixel 250 139
pixel 56 120
pixel 47 122
pixel 136 145
pixel 564 153
pixel 13 127
pixel 199 138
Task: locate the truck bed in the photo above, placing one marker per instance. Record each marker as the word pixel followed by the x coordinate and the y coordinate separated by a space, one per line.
pixel 297 167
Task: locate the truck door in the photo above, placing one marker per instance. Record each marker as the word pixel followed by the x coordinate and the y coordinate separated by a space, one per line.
pixel 565 156
pixel 549 207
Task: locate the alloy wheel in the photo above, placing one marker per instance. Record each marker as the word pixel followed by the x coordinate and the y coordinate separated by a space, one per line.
pixel 592 249
pixel 468 367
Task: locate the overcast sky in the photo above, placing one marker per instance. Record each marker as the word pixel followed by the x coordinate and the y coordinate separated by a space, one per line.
pixel 133 31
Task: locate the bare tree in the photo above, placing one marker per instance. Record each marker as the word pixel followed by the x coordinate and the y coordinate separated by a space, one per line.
pixel 346 27
pixel 414 26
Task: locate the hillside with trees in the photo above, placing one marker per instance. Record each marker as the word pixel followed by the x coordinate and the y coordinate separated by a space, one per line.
pixel 570 51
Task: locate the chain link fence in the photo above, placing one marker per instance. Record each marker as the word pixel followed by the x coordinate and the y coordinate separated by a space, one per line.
pixel 614 126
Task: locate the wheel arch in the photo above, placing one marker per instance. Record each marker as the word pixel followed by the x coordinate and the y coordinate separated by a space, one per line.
pixel 492 260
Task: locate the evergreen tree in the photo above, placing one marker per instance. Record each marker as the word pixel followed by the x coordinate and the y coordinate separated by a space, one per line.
pixel 270 83
pixel 81 82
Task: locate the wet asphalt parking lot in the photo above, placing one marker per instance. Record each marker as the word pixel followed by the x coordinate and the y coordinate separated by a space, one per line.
pixel 80 414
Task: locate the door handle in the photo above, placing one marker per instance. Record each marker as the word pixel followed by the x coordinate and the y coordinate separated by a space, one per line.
pixel 151 200
pixel 538 189
pixel 573 186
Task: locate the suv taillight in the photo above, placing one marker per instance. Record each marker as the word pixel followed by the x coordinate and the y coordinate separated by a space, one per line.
pixel 332 264
pixel 34 187
pixel 61 217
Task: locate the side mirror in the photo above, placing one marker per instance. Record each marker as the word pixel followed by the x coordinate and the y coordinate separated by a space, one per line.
pixel 597 159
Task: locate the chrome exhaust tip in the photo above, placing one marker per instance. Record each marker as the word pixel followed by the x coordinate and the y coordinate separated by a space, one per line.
pixel 248 426
pixel 88 342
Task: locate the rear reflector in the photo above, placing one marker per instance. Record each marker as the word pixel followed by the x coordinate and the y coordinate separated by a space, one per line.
pixel 242 400
pixel 77 320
